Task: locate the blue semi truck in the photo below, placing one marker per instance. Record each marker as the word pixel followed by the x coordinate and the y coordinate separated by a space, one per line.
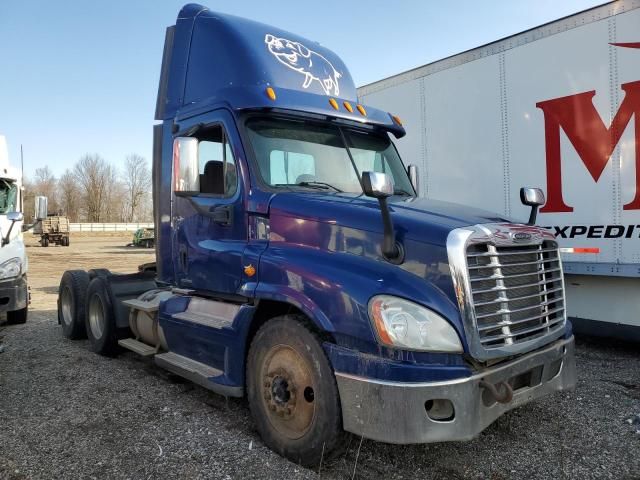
pixel 296 264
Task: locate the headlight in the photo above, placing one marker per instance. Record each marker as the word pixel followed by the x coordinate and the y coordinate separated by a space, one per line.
pixel 403 324
pixel 10 268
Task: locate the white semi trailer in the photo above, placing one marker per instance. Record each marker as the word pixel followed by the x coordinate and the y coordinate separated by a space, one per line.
pixel 556 106
pixel 14 293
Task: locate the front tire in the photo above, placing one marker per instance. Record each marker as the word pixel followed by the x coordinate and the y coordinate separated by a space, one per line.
pixel 17 317
pixel 100 319
pixel 292 392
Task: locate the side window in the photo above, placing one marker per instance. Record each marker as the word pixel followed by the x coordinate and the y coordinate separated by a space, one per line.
pixel 290 167
pixel 217 165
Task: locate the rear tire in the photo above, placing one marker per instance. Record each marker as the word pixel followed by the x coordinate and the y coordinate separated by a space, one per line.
pixel 292 392
pixel 100 319
pixel 99 272
pixel 17 317
pixel 72 295
pixel 45 242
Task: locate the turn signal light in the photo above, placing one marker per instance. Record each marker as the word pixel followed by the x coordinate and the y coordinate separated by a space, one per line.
pixel 348 106
pixel 396 119
pixel 271 93
pixel 333 103
pixel 362 110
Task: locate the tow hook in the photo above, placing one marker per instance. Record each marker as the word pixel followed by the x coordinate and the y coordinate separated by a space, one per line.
pixel 507 392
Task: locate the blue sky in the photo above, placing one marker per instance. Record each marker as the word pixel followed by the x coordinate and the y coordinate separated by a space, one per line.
pixel 81 76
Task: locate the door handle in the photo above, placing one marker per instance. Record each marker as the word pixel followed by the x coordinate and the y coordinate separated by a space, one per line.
pixel 222 214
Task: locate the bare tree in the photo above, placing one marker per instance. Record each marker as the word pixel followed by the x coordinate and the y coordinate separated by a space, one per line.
pixel 69 195
pixel 116 195
pixel 137 181
pixel 94 175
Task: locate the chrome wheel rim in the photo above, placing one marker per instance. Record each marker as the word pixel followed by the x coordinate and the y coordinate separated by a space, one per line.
pixel 66 306
pixel 96 316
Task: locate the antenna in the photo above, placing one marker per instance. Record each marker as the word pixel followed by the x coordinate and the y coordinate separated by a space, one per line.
pixel 22 162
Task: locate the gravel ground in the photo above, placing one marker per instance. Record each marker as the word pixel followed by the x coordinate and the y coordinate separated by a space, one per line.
pixel 68 413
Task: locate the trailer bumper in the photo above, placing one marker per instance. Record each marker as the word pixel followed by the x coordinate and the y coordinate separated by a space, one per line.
pixel 458 409
pixel 14 294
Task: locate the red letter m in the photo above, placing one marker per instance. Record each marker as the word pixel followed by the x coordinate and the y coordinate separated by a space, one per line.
pixel 588 134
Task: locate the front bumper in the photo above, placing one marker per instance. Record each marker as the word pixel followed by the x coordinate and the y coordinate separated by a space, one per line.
pixel 396 412
pixel 14 294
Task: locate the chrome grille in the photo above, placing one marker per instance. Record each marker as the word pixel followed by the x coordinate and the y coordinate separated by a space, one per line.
pixel 517 292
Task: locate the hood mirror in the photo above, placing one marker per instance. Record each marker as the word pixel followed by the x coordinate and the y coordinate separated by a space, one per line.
pixel 380 185
pixel 377 185
pixel 13 217
pixel 534 198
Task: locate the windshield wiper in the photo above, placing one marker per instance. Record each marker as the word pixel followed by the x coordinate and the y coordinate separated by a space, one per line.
pixel 320 185
pixel 400 191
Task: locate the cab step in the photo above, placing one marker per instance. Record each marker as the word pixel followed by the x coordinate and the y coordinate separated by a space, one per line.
pixel 136 346
pixel 197 372
pixel 210 313
pixel 142 305
pixel 212 321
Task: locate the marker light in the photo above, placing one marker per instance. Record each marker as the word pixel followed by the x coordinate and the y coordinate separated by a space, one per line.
pixel 271 93
pixel 400 323
pixel 333 103
pixel 348 106
pixel 396 119
pixel 361 110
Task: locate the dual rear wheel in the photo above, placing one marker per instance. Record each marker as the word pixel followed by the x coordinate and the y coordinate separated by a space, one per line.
pixel 85 311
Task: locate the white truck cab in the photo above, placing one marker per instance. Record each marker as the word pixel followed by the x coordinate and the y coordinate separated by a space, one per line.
pixel 14 295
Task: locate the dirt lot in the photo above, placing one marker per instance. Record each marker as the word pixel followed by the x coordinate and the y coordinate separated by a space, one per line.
pixel 67 413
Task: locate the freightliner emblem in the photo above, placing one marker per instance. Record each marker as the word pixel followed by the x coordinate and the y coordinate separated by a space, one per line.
pixel 521 236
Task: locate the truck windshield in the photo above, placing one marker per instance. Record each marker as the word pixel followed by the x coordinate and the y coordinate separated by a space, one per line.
pixel 8 196
pixel 308 155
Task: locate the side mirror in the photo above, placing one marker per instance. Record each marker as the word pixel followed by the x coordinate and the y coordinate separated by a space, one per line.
pixel 380 186
pixel 534 198
pixel 186 175
pixel 13 217
pixel 413 177
pixel 41 208
pixel 377 185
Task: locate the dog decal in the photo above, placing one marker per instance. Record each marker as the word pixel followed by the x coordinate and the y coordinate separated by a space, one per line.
pixel 305 61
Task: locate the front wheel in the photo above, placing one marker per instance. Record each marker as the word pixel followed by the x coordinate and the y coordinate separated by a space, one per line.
pixel 292 392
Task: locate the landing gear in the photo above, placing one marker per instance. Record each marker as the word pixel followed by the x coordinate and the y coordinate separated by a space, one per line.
pixel 292 392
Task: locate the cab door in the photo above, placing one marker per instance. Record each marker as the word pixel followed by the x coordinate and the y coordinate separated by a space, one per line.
pixel 210 225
